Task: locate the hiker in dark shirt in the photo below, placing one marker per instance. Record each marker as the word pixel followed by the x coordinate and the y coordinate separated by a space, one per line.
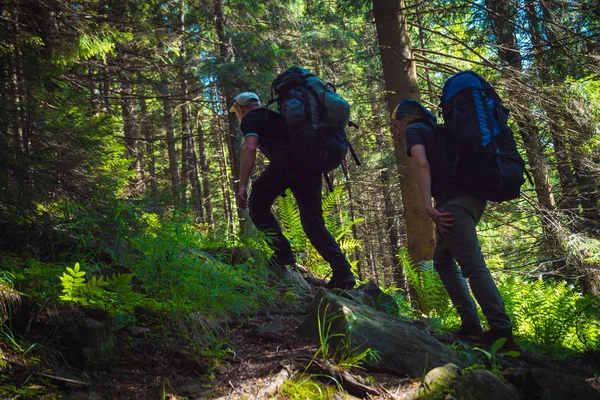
pixel 266 130
pixel 456 213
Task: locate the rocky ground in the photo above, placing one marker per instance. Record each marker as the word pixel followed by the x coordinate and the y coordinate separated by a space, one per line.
pixel 260 355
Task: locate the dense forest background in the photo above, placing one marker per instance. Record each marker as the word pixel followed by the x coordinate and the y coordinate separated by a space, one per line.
pixel 117 151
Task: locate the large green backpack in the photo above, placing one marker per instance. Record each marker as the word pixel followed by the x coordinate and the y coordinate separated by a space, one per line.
pixel 316 117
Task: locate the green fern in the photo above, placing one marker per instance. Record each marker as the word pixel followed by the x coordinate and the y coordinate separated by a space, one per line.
pixel 120 283
pixel 433 299
pixel 548 314
pixel 111 292
pixel 73 282
pixel 337 221
pixel 291 224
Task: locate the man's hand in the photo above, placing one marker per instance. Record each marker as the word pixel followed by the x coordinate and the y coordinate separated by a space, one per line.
pixel 242 196
pixel 444 222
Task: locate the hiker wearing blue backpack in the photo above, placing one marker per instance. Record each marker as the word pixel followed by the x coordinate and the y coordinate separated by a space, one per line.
pixel 266 130
pixel 456 212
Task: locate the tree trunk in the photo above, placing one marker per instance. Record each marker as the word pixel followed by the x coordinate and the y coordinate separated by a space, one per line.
pixel 234 139
pixel 171 139
pixel 500 15
pixel 147 130
pixel 225 187
pixel 556 233
pixel 391 216
pixel 205 172
pixel 130 129
pixel 400 76
pixel 106 79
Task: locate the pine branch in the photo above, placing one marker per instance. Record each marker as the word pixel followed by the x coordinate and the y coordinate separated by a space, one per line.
pixel 456 40
pixel 417 49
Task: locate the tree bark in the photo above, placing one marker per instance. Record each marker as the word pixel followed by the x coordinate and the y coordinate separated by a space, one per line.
pixel 147 130
pixel 391 215
pixel 171 139
pixel 556 233
pixel 205 173
pixel 130 129
pixel 234 139
pixel 225 187
pixel 400 76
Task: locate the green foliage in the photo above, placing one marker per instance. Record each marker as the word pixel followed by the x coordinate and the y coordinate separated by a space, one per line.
pixel 337 221
pixel 344 355
pixel 432 296
pixel 8 296
pixel 169 259
pixel 14 342
pixel 305 387
pixel 75 288
pixel 552 315
pixel 113 293
pixel 495 356
pixel 405 309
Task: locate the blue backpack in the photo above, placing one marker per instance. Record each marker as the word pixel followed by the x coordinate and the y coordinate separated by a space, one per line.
pixel 316 117
pixel 475 122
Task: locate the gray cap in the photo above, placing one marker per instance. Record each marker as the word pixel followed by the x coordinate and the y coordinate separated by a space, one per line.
pixel 243 99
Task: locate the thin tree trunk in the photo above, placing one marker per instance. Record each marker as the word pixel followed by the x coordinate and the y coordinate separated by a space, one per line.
pixel 355 235
pixel 147 130
pixel 234 139
pixel 555 232
pixel 106 90
pixel 501 13
pixel 171 139
pixel 205 172
pixel 189 156
pixel 130 129
pixel 401 83
pixel 391 216
pixel 225 187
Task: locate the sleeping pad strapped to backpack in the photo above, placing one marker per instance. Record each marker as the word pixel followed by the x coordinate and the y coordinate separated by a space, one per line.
pixel 316 117
pixel 475 121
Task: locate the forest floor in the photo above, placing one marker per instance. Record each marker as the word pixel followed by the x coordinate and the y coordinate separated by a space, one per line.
pixel 260 354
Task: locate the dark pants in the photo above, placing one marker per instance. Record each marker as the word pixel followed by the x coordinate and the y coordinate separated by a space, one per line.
pixel 306 187
pixel 462 245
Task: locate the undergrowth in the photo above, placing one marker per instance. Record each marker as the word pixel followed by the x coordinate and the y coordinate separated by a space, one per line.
pixel 337 222
pixel 548 316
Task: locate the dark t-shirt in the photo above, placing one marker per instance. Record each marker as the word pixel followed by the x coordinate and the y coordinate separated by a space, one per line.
pixel 270 128
pixel 443 185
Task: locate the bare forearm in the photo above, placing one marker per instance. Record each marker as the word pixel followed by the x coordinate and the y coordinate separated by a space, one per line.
pixel 247 160
pixel 423 178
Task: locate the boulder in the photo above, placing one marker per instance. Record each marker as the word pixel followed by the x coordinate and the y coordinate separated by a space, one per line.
pixel 439 381
pixel 403 349
pixel 482 384
pixel 543 383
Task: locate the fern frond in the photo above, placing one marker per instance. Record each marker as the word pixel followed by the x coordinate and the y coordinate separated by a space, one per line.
pixel 349 244
pixel 291 223
pixel 332 200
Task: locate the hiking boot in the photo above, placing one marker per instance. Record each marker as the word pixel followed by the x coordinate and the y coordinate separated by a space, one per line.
pixel 490 337
pixel 467 331
pixel 276 261
pixel 347 282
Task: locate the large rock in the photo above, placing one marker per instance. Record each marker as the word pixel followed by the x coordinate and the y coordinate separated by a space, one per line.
pixel 87 341
pixel 542 383
pixel 478 384
pixel 482 384
pixel 403 349
pixel 440 380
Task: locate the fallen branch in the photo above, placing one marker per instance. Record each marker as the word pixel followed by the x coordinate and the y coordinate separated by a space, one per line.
pixel 287 372
pixel 344 378
pixel 66 380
